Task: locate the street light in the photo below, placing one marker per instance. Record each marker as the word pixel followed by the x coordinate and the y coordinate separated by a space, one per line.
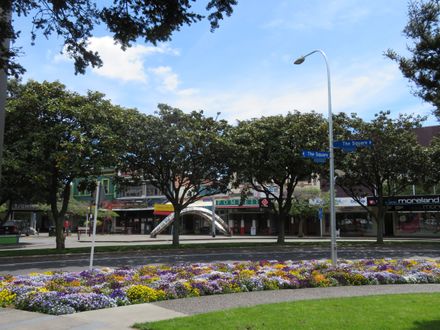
pixel 298 61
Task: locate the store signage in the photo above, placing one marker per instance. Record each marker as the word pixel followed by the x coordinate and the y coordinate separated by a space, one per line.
pixel 265 203
pixel 410 202
pixel 163 209
pixel 236 202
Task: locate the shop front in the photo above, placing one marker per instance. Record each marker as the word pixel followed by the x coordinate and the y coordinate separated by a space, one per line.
pixel 413 215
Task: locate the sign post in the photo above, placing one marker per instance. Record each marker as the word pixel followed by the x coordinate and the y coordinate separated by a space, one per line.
pixel 213 217
pixel 95 219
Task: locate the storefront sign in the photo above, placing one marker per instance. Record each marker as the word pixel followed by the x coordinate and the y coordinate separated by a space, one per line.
pixel 236 202
pixel 265 203
pixel 408 203
pixel 163 209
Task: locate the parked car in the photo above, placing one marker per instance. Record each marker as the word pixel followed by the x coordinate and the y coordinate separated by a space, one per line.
pixel 16 227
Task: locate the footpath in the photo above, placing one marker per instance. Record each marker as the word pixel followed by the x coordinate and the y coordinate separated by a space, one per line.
pixel 122 318
pixel 43 241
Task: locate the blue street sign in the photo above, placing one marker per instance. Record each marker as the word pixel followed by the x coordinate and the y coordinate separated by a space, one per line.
pixel 320 213
pixel 352 145
pixel 316 154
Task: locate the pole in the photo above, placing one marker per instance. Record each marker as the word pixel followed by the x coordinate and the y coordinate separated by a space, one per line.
pixel 3 85
pixel 334 256
pixel 213 217
pixel 95 219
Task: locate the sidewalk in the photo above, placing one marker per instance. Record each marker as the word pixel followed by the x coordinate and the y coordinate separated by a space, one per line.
pixel 123 317
pixel 43 241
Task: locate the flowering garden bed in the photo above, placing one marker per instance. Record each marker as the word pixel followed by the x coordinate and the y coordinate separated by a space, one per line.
pixel 69 292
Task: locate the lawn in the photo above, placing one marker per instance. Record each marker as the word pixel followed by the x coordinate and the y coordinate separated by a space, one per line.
pixel 405 311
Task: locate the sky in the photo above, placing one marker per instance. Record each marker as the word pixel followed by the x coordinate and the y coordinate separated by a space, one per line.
pixel 245 68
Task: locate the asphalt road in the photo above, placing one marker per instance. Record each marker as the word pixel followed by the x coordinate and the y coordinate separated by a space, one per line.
pixel 76 262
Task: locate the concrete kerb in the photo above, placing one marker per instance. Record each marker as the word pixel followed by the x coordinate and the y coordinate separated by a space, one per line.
pixel 124 317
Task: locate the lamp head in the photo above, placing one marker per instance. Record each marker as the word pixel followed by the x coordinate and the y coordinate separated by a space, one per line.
pixel 299 60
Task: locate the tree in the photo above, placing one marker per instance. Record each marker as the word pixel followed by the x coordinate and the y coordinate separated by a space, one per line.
pixel 61 136
pixel 74 21
pixel 394 161
pixel 186 156
pixel 269 153
pixel 423 66
pixel 302 209
pixel 127 20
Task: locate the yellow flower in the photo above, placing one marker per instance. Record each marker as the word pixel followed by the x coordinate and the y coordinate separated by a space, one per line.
pixel 6 298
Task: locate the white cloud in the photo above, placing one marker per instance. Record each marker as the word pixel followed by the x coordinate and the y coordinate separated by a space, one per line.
pixel 125 65
pixel 363 89
pixel 169 79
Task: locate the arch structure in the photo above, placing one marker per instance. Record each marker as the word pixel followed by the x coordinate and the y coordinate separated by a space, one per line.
pixel 201 211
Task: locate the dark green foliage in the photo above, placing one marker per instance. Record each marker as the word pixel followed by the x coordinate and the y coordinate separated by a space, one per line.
pixel 128 20
pixel 394 161
pixel 423 66
pixel 186 156
pixel 53 136
pixel 269 154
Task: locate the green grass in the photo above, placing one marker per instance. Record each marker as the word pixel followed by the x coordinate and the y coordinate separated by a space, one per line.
pixel 403 311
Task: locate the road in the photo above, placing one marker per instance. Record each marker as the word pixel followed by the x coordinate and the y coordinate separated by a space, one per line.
pixel 76 262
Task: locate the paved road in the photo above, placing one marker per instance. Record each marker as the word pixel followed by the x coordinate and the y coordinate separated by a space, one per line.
pixel 75 262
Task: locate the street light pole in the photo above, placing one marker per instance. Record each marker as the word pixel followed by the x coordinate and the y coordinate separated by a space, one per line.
pixel 298 61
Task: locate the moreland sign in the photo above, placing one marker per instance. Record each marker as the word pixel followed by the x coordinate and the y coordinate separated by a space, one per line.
pixel 409 203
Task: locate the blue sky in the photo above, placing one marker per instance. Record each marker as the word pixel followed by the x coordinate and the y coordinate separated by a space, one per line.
pixel 244 69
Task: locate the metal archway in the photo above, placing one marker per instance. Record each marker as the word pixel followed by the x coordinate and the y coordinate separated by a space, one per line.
pixel 201 211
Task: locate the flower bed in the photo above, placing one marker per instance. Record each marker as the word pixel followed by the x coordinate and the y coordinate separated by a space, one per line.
pixel 69 292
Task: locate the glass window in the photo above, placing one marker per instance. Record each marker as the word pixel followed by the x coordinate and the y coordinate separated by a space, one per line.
pixel 106 186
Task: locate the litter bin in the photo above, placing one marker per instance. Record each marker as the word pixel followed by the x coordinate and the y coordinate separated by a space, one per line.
pixel 253 231
pixel 52 231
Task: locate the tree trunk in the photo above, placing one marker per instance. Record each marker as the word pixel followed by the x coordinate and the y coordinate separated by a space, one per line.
pixel 380 221
pixel 281 230
pixel 300 227
pixel 60 238
pixel 176 228
pixel 58 216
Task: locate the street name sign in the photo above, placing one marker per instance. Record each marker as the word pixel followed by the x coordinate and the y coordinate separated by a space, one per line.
pixel 352 145
pixel 317 156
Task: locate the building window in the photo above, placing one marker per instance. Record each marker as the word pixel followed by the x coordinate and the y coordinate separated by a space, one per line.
pixel 131 191
pixel 152 190
pixel 106 186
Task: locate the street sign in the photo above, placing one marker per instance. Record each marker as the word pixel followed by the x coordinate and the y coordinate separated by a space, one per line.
pixel 317 156
pixel 352 145
pixel 320 213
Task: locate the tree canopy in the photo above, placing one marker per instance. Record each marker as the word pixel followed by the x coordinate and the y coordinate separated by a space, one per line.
pixel 269 155
pixel 186 156
pixel 58 136
pixel 127 20
pixel 423 66
pixel 394 161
